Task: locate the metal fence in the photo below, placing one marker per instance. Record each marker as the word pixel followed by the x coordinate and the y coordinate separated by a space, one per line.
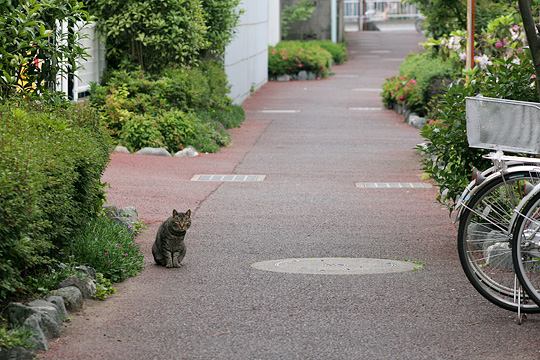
pixel 376 10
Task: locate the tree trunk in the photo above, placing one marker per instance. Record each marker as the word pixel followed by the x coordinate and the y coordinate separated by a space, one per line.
pixel 532 38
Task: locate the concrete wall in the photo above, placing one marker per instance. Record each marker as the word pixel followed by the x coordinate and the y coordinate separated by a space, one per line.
pixel 246 57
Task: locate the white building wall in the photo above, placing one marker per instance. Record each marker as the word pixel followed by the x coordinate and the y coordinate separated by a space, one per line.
pixel 274 28
pixel 246 57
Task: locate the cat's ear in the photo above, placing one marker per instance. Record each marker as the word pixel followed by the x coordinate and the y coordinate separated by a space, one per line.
pixel 174 213
pixel 188 213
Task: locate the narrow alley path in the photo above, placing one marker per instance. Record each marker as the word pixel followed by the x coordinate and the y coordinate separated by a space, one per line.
pixel 314 141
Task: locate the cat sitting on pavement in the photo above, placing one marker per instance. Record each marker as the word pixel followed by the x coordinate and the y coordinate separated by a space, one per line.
pixel 169 248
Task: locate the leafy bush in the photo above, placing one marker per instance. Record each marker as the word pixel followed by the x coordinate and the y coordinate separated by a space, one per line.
pixel 291 57
pixel 152 34
pixel 404 91
pixel 447 156
pixel 141 131
pixel 221 18
pixel 180 107
pixel 337 50
pixel 27 52
pixel 108 247
pixel 50 169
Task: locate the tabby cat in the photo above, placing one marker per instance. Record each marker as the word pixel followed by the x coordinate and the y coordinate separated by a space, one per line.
pixel 169 248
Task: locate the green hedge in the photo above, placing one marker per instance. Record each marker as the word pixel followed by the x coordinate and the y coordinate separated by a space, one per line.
pixel 337 50
pixel 291 57
pixel 50 169
pixel 178 108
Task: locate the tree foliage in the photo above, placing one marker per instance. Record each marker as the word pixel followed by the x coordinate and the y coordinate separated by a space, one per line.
pixel 152 34
pixel 221 19
pixel 32 48
pixel 445 16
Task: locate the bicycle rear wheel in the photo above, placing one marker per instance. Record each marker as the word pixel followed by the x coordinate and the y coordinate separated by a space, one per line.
pixel 484 240
pixel 526 247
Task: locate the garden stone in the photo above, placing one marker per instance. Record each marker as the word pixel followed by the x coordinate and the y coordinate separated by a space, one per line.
pixel 187 152
pixel 16 353
pixel 127 216
pixel 58 301
pixel 153 151
pixel 84 283
pixel 40 317
pixel 90 271
pixel 283 78
pixel 121 149
pixel 17 313
pixel 416 121
pixel 311 76
pixel 49 308
pixel 72 296
pixel 302 75
pixel 38 338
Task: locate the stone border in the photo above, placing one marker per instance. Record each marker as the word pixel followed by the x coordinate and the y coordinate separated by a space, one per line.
pixel 410 118
pixel 187 152
pixel 44 318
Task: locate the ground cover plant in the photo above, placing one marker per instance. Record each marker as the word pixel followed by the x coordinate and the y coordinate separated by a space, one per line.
pixel 291 57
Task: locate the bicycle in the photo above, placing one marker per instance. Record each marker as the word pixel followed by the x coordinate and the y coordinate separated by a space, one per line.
pixel 486 209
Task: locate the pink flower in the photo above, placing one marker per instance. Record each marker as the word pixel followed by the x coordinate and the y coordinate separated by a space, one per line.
pixel 533 76
pixel 412 81
pixel 499 44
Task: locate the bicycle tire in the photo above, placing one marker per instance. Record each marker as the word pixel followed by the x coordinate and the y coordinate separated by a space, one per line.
pixel 525 253
pixel 480 235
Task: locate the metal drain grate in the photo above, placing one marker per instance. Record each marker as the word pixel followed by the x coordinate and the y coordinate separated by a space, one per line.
pixel 228 178
pixel 392 185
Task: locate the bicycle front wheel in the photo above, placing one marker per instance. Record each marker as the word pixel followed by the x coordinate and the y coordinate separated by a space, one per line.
pixel 526 247
pixel 484 240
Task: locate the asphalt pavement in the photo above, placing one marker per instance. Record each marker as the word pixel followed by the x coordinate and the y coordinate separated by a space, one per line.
pixel 314 140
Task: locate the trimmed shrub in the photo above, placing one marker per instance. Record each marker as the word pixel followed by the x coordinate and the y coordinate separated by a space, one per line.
pixel 108 247
pixel 421 78
pixel 291 57
pixel 50 169
pixel 141 131
pixel 337 50
pixel 180 107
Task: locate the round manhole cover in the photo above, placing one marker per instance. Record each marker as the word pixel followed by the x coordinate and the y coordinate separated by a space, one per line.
pixel 335 266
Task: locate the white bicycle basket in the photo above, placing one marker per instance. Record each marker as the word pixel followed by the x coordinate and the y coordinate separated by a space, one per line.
pixel 507 125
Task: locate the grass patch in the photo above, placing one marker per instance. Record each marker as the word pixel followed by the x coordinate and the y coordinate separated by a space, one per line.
pixel 18 337
pixel 109 248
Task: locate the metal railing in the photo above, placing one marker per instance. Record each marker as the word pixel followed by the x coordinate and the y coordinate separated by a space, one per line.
pixel 375 10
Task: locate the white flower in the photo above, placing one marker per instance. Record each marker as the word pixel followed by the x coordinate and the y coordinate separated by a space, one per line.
pixel 516 61
pixel 462 56
pixel 483 61
pixel 454 43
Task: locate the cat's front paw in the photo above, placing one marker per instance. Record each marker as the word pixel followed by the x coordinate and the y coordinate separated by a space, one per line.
pixel 169 265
